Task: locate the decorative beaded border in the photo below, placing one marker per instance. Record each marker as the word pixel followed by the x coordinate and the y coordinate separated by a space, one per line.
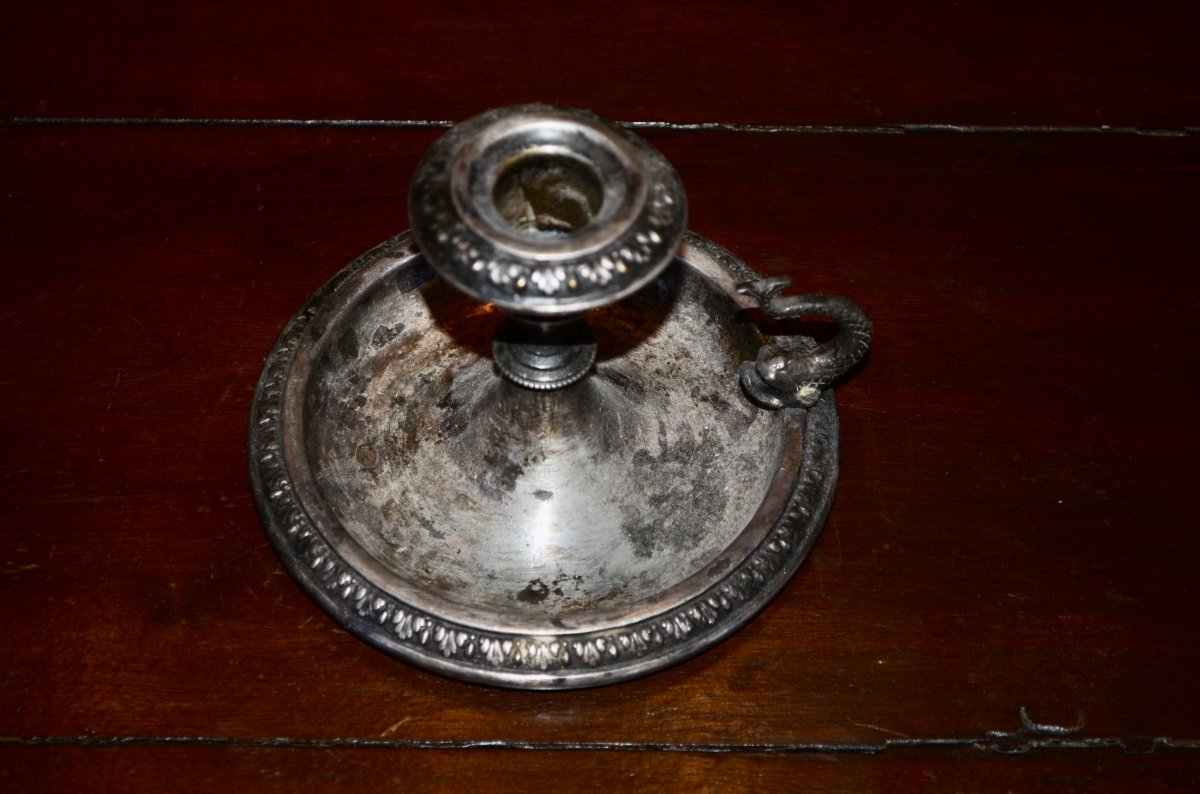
pixel 563 661
pixel 484 269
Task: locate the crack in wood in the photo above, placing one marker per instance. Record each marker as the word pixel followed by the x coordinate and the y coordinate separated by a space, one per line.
pixel 1030 736
pixel 714 126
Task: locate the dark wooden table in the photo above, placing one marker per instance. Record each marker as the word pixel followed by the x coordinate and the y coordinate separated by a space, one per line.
pixel 1005 595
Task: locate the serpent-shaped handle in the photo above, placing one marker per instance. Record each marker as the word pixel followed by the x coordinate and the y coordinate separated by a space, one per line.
pixel 782 377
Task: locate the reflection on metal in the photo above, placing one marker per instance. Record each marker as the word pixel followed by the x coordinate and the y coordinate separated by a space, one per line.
pixel 526 444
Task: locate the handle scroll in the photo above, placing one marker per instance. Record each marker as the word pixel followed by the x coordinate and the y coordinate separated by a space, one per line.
pixel 786 377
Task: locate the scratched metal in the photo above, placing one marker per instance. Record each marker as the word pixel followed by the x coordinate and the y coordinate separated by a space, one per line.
pixel 534 539
pixel 539 511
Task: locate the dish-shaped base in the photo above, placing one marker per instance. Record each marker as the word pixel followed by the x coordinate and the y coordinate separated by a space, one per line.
pixel 541 540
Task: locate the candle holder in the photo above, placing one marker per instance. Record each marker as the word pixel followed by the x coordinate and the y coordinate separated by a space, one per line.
pixel 548 439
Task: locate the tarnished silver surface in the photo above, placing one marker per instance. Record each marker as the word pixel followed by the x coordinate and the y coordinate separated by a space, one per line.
pixel 790 374
pixel 617 501
pixel 539 540
pixel 546 213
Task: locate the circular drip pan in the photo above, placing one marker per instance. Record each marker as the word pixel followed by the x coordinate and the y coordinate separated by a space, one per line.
pixel 540 540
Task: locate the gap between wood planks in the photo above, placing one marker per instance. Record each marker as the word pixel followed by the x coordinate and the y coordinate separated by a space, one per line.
pixel 815 129
pixel 1030 736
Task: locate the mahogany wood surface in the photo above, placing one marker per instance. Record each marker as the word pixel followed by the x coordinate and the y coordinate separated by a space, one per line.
pixel 776 62
pixel 1004 595
pixel 272 769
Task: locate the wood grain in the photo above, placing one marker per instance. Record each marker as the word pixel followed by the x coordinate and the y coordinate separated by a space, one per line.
pixel 775 62
pixel 206 769
pixel 1014 525
pixel 1013 540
